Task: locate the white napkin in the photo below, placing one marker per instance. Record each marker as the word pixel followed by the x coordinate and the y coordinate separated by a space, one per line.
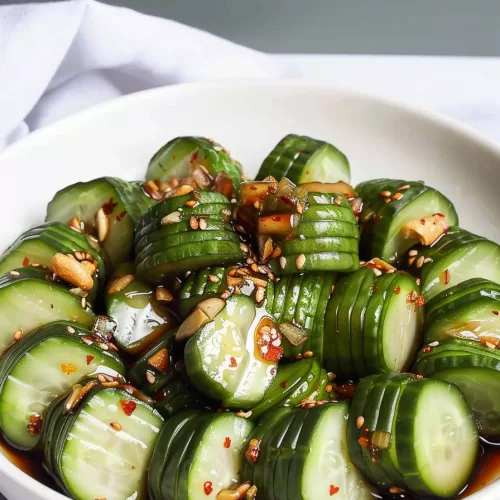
pixel 59 57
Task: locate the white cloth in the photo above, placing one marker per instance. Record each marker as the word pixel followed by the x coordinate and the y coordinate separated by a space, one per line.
pixel 59 57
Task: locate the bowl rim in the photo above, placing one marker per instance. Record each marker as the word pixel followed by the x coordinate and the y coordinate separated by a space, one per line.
pixel 40 490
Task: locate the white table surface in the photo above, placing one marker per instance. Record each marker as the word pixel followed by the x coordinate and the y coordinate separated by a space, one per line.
pixel 464 88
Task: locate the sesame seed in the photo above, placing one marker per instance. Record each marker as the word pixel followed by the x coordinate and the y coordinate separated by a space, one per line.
pixel 282 262
pixel 203 224
pixel 427 260
pixel 338 200
pixel 14 273
pixel 376 271
pixel 244 248
pixel 397 196
pixel 359 422
pixel 300 261
pixel 434 344
pixel 490 345
pixel 395 491
pixel 328 388
pixel 411 260
pixel 193 223
pixel 420 261
pixel 18 335
pixel 308 354
pixel 150 377
pixel 413 253
pixel 190 203
pixel 116 426
pixel 71 329
pixel 387 200
pixel 213 278
pixel 84 302
pixel 404 188
pixel 385 193
pixel 331 376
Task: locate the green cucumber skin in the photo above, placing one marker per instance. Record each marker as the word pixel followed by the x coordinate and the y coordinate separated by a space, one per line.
pixel 175 158
pixel 327 229
pixel 317 262
pixel 291 156
pixel 446 254
pixel 376 231
pixel 308 245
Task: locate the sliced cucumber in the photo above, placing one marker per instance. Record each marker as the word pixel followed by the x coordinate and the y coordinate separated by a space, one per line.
pixel 457 257
pixel 38 245
pixel 382 222
pixel 437 441
pixel 41 367
pixel 475 370
pixel 182 155
pixel 305 245
pixel 316 262
pixel 120 205
pixel 303 159
pixel 30 299
pixel 372 328
pixel 140 318
pixel 102 449
pixel 327 229
pixel 233 358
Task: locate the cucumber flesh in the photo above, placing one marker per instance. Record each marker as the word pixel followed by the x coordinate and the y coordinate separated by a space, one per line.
pixel 98 461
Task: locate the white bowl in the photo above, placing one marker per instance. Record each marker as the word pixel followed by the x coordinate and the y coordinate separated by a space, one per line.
pixel 381 139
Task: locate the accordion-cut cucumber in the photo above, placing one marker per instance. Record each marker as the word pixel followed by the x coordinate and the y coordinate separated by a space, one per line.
pixel 303 159
pixel 182 155
pixel 103 446
pixel 30 299
pixel 421 434
pixel 39 244
pixel 159 260
pixel 107 203
pixel 233 357
pixel 139 316
pixel 375 328
pixel 469 310
pixel 389 204
pixel 302 454
pixel 475 369
pixel 198 455
pixel 457 257
pixel 43 366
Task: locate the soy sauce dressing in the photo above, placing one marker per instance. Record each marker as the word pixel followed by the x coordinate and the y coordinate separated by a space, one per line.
pixel 487 470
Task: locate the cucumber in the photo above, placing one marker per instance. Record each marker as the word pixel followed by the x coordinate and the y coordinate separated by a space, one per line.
pixel 316 262
pixel 30 299
pixel 41 367
pixel 102 448
pixel 374 328
pixel 382 222
pixel 201 285
pixel 233 357
pixel 437 440
pixel 327 229
pixel 301 300
pixel 468 310
pixel 475 369
pixel 182 155
pixel 39 244
pixel 122 204
pixel 140 318
pixel 303 159
pixel 457 257
pixel 305 245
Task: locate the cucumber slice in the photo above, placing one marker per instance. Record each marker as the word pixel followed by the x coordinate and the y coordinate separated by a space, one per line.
pixel 382 222
pixel 41 367
pixel 333 212
pixel 304 159
pixel 121 202
pixel 327 229
pixel 29 299
pixel 182 155
pixel 475 370
pixel 315 262
pixel 457 257
pixel 140 318
pixel 40 244
pixel 437 441
pixel 307 245
pixel 232 358
pixel 103 448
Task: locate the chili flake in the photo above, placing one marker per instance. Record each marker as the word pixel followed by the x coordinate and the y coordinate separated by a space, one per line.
pixel 269 342
pixel 227 442
pixel 128 406
pixel 397 290
pixel 207 487
pixel 334 489
pixel 420 301
pixel 444 277
pixel 35 424
pixel 232 362
pixel 68 368
pixel 495 313
pixel 283 384
pixel 109 206
pixel 26 261
pixel 253 450
pixel 121 215
pixel 90 359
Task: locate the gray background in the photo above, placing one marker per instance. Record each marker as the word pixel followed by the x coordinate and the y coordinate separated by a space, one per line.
pixel 435 27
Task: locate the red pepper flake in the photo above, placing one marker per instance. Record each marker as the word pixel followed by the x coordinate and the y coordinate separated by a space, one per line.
pixel 289 237
pixel 420 301
pixel 412 297
pixel 283 384
pixel 128 407
pixel 438 214
pixel 68 368
pixel 422 221
pixel 174 157
pixel 345 391
pixel 194 157
pixel 276 218
pixel 227 442
pixel 364 442
pixel 26 262
pixel 495 313
pixel 427 349
pixel 397 290
pixel 159 396
pixel 35 424
pixel 207 487
pixel 286 200
pixel 253 187
pixel 109 206
pixel 300 150
pixel 232 362
pixel 121 215
pixel 253 450
pixel 444 276
pixel 90 359
pixel 374 289
pixel 334 489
